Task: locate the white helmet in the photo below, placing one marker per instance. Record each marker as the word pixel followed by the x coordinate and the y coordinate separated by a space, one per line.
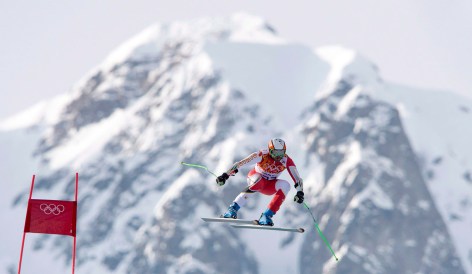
pixel 277 149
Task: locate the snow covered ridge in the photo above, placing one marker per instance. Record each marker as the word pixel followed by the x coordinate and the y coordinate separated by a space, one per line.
pixel 436 123
pixel 438 126
pixel 369 182
pixel 186 91
pixel 240 27
pixel 44 113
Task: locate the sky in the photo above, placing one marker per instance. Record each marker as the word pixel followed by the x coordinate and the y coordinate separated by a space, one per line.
pixel 47 46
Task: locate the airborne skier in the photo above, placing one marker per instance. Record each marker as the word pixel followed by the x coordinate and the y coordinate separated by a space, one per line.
pixel 262 178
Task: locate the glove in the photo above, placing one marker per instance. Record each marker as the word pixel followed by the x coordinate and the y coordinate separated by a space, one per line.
pixel 299 197
pixel 221 180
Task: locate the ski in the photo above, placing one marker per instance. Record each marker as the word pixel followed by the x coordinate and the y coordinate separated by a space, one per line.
pixel 228 220
pixel 254 226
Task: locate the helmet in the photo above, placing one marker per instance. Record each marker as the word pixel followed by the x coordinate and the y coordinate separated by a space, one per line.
pixel 277 149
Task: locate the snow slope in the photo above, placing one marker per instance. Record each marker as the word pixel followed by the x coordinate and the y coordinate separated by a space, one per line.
pixel 282 78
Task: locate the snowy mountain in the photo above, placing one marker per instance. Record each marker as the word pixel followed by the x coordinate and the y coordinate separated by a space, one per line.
pixel 210 92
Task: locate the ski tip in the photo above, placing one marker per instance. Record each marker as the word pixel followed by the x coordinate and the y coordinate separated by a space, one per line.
pixel 301 230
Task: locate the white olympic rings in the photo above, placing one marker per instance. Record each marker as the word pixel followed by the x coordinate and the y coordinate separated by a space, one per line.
pixel 52 209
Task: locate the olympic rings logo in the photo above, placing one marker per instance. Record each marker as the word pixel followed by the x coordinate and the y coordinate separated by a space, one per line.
pixel 52 209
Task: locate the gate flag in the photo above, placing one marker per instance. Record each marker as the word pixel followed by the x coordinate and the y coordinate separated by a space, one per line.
pixel 51 217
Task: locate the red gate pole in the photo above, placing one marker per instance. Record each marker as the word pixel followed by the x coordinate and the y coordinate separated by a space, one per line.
pixel 75 235
pixel 24 233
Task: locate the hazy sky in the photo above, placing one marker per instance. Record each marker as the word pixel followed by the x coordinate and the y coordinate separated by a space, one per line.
pixel 46 46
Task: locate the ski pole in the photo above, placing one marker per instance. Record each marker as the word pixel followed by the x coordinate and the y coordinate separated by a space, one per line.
pixel 319 231
pixel 198 166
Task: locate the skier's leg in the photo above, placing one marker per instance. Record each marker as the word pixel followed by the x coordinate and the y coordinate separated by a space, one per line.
pixel 252 179
pixel 241 199
pixel 282 187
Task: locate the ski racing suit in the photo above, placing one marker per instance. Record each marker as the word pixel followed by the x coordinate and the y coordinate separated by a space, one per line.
pixel 263 178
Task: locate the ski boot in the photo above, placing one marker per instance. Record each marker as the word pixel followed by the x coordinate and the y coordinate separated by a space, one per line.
pixel 232 211
pixel 266 218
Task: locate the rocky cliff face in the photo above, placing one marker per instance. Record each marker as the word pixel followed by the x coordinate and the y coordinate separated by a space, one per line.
pixel 374 204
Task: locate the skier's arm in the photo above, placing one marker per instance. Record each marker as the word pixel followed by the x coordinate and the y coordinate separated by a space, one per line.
pixel 245 161
pixel 221 180
pixel 292 170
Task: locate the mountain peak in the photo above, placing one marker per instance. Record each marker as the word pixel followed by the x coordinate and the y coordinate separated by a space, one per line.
pixel 239 27
pixel 350 65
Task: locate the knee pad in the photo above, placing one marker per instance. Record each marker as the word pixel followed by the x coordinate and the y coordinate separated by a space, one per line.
pixel 282 185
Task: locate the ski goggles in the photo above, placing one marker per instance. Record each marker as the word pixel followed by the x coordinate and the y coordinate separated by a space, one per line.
pixel 277 153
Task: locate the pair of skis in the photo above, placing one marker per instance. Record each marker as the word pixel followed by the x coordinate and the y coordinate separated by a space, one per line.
pixel 251 224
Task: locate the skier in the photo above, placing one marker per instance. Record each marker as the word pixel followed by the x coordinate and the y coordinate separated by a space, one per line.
pixel 263 178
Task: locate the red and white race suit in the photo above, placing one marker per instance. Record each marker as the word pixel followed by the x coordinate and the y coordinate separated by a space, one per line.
pixel 263 178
